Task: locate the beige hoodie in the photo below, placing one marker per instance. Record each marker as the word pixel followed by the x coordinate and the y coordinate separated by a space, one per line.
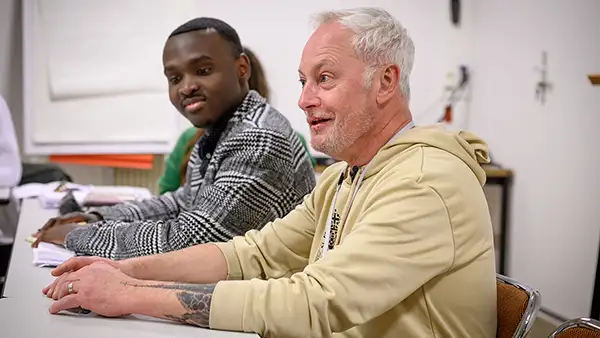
pixel 415 257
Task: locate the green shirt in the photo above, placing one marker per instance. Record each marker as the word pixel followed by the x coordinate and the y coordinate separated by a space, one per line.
pixel 171 178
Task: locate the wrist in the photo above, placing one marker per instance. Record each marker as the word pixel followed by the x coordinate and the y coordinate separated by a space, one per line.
pixel 134 300
pixel 142 300
pixel 129 267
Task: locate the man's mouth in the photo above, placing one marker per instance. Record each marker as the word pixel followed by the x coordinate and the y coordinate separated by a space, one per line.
pixel 317 123
pixel 193 103
pixel 313 121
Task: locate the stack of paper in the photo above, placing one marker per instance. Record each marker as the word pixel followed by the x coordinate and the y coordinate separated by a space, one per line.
pixel 109 195
pixel 51 194
pixel 50 255
pixel 40 189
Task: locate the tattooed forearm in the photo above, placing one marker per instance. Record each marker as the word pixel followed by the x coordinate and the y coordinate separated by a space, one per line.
pixel 195 299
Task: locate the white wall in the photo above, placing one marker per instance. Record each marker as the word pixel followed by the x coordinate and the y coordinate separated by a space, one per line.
pixel 553 148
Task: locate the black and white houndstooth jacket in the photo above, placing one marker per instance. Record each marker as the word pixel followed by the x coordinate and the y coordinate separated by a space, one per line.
pixel 240 176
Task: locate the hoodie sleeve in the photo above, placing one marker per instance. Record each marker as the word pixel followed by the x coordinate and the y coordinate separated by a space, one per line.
pixel 403 239
pixel 281 248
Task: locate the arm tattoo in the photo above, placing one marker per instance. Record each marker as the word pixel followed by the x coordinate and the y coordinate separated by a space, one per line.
pixel 195 299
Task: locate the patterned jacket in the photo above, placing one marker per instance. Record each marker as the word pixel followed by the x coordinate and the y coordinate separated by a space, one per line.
pixel 243 173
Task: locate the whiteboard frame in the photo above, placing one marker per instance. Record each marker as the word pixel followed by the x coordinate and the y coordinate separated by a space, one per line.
pixel 36 148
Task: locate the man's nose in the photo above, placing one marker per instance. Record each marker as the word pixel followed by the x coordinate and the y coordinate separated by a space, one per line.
pixel 188 86
pixel 308 98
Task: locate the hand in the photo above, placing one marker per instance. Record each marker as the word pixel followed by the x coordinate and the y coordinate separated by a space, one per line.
pixel 55 234
pixel 74 217
pixel 74 264
pixel 98 287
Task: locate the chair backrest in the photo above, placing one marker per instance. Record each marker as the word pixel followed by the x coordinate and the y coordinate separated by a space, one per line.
pixel 578 328
pixel 518 306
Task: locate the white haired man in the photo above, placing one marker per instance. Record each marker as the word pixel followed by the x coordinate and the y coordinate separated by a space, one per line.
pixel 395 241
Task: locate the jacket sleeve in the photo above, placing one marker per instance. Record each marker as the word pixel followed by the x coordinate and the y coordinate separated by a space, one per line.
pixel 251 187
pixel 280 249
pixel 163 207
pixel 403 239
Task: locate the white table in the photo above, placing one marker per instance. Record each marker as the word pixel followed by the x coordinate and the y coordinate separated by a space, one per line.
pixel 27 318
pixel 24 313
pixel 24 280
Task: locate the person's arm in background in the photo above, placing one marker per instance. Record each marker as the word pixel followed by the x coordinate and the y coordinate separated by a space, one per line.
pixel 171 178
pixel 251 187
pixel 10 160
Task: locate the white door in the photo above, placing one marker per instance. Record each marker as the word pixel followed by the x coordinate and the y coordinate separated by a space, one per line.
pixel 552 147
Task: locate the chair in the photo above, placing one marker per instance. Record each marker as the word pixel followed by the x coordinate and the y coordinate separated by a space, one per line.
pixel 518 306
pixel 577 328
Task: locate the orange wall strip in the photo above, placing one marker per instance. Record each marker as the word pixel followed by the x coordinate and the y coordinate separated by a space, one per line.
pixel 133 161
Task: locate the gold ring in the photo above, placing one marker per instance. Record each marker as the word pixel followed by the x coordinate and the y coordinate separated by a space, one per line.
pixel 70 288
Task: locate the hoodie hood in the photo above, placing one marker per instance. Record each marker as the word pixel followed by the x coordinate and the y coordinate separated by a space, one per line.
pixel 468 147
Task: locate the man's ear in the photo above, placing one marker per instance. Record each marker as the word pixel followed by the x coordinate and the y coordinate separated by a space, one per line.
pixel 389 79
pixel 244 68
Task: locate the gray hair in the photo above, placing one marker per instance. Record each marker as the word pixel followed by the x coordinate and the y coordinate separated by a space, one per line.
pixel 379 39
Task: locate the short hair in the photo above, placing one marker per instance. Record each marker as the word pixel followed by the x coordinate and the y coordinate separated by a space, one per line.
pixel 211 24
pixel 379 39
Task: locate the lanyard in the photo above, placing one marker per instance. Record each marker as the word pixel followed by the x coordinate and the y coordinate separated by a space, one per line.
pixel 358 183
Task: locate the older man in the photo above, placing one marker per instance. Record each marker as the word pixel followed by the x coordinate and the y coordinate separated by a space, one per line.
pixel 395 241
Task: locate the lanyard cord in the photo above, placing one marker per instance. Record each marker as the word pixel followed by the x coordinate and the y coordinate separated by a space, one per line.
pixel 339 186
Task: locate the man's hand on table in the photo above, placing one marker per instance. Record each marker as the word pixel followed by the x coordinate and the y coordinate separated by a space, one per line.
pixel 57 228
pixel 98 287
pixel 63 271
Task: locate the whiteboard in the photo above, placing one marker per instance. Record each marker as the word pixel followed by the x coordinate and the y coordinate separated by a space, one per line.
pixel 93 79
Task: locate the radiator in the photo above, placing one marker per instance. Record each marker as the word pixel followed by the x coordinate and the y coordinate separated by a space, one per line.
pixel 141 178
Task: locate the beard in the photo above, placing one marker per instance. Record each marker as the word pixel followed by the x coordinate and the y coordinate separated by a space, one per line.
pixel 343 133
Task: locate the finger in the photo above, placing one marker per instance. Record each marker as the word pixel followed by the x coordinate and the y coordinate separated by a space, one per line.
pixel 48 224
pixel 63 289
pixel 71 264
pixel 38 239
pixel 54 286
pixel 48 288
pixel 65 303
pixel 58 282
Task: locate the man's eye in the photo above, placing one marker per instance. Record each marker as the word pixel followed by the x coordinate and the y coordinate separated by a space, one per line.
pixel 204 71
pixel 173 80
pixel 302 82
pixel 324 78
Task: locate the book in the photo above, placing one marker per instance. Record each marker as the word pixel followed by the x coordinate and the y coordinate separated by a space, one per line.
pixel 50 255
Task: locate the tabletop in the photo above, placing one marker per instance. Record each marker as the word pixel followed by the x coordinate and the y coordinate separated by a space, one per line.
pixel 23 278
pixel 27 318
pixel 25 304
